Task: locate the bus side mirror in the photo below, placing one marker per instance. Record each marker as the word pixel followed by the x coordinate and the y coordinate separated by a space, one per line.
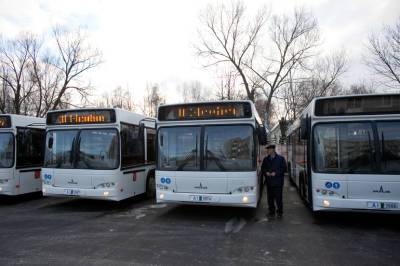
pixel 262 136
pixel 304 127
pixel 50 144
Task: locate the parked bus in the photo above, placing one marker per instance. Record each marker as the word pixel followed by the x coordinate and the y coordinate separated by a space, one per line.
pixel 208 153
pixel 344 153
pixel 99 153
pixel 21 154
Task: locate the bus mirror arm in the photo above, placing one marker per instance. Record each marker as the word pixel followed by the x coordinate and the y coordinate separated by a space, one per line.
pixel 50 144
pixel 262 135
pixel 304 127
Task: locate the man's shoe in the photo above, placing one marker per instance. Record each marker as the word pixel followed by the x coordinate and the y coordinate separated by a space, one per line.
pixel 280 215
pixel 271 215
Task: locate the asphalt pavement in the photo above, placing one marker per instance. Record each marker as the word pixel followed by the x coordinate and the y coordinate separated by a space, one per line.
pixel 70 231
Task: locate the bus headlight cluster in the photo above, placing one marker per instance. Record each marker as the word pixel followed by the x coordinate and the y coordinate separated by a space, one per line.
pixel 243 189
pixel 3 181
pixel 326 192
pixel 106 185
pixel 46 182
pixel 162 187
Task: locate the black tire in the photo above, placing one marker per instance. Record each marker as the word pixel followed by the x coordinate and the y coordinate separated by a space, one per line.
pixel 151 185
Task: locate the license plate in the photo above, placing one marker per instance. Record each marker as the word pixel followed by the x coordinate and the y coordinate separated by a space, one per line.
pixel 201 198
pixel 382 205
pixel 72 192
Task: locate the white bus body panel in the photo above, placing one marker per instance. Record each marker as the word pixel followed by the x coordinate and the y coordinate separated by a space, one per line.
pixel 210 188
pixel 356 191
pixel 7 181
pixel 85 183
pixel 14 181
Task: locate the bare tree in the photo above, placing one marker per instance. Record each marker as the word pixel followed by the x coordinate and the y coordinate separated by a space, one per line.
pixel 194 91
pixel 151 100
pixel 46 78
pixel 384 59
pixel 293 41
pixel 75 58
pixel 119 97
pixel 361 88
pixel 34 80
pixel 227 86
pixel 17 85
pixel 322 81
pixel 227 37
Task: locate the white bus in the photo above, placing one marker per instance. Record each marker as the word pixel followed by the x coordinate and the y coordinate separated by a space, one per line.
pixel 208 153
pixel 344 153
pixel 99 153
pixel 21 154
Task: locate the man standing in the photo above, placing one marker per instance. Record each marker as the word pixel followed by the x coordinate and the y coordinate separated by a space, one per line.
pixel 274 168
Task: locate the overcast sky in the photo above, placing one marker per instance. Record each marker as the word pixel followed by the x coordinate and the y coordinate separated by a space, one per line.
pixel 151 41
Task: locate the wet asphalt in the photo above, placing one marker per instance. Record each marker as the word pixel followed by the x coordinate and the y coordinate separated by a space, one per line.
pixel 69 231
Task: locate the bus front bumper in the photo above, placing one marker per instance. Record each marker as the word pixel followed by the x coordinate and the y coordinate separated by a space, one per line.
pixel 102 194
pixel 337 204
pixel 235 200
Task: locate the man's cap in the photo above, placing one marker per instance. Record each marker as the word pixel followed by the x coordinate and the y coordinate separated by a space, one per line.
pixel 270 146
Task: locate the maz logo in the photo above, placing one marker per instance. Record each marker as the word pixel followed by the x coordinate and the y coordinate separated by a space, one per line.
pixel 201 186
pixel 381 190
pixel 72 182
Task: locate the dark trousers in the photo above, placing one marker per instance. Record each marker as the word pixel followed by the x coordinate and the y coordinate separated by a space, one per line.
pixel 274 195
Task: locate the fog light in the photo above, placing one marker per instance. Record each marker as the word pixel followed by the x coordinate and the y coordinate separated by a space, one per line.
pixel 44 190
pixel 106 193
pixel 326 203
pixel 245 199
pixel 161 196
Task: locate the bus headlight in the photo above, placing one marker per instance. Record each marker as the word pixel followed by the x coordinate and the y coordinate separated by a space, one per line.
pixel 161 196
pixel 106 185
pixel 243 189
pixel 326 203
pixel 2 181
pixel 245 199
pixel 106 193
pixel 162 187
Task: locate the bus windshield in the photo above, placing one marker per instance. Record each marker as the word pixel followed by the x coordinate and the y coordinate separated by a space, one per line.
pixel 225 148
pixel 344 147
pixel 82 149
pixel 6 150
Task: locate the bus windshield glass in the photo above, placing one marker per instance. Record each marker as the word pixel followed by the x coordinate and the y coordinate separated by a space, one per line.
pixel 6 150
pixel 344 147
pixel 179 148
pixel 82 149
pixel 389 139
pixel 228 148
pixel 225 148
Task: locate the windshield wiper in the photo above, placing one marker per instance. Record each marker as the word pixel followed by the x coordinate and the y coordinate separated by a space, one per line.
pixel 187 160
pixel 217 160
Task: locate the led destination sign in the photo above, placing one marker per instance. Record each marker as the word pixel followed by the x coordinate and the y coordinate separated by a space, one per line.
pixel 5 121
pixel 358 105
pixel 81 117
pixel 204 111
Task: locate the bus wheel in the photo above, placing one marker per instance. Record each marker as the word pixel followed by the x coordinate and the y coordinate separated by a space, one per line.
pixel 151 186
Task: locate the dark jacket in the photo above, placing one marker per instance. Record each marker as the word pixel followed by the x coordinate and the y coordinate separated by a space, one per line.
pixel 277 165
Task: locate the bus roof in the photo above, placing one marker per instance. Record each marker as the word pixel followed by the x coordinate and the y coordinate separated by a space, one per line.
pixel 24 121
